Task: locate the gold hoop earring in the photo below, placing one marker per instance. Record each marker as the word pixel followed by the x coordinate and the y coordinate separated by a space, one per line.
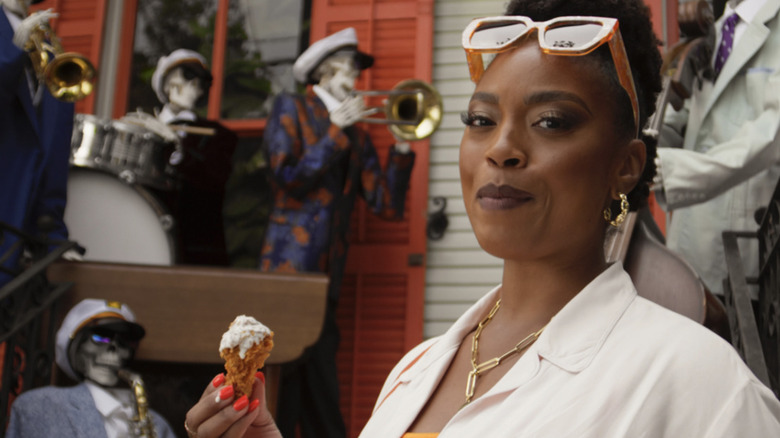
pixel 623 212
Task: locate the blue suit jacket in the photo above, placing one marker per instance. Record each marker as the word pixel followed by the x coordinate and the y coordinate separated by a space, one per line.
pixel 318 170
pixel 34 149
pixel 52 412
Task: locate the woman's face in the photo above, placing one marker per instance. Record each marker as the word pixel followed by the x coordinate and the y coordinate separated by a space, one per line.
pixel 540 156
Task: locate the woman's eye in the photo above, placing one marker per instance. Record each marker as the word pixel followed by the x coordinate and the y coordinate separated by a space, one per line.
pixel 554 122
pixel 472 119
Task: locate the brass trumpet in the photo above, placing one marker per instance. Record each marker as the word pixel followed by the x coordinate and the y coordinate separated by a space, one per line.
pixel 413 109
pixel 68 76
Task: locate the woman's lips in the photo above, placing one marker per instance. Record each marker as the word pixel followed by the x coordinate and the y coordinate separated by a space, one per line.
pixel 503 197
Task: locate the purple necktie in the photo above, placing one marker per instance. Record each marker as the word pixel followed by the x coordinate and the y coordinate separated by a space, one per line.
pixel 727 40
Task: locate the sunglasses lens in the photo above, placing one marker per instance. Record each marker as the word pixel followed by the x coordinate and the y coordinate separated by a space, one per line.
pixel 101 339
pixel 575 36
pixel 496 34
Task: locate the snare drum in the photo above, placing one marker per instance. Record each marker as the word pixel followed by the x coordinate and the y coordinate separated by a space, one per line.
pixel 132 152
pixel 117 222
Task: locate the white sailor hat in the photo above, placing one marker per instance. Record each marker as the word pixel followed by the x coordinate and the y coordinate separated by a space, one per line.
pixel 312 57
pixel 92 312
pixel 167 63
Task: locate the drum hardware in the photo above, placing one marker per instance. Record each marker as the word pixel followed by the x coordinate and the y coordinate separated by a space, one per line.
pixel 131 151
pixel 413 109
pixel 128 176
pixel 68 76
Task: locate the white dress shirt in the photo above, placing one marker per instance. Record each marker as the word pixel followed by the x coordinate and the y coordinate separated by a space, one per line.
pixel 116 405
pixel 609 364
pixel 747 10
pixel 167 115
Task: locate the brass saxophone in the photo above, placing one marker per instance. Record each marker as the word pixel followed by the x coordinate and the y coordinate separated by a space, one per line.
pixel 142 425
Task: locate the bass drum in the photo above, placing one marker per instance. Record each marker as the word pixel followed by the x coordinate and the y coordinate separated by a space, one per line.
pixel 117 222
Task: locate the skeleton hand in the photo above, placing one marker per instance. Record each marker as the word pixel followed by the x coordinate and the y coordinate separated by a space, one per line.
pixel 73 255
pixel 29 24
pixel 349 112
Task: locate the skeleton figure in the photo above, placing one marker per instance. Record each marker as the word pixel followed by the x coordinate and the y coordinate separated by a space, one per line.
pixel 97 340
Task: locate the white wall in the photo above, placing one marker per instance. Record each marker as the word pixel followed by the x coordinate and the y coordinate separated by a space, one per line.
pixel 458 271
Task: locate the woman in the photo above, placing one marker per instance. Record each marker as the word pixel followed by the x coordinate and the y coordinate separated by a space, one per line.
pixel 564 347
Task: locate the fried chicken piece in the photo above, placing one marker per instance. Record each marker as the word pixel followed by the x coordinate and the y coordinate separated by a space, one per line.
pixel 245 347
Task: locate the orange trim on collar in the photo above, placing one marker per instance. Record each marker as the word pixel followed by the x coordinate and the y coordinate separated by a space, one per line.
pixel 406 368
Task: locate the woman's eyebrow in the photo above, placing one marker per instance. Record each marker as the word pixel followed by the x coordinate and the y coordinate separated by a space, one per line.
pixel 482 96
pixel 553 96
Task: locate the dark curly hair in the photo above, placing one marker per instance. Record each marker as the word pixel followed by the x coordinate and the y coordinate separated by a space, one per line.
pixel 643 55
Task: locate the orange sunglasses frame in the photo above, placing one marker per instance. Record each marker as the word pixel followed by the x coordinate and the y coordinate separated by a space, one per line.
pixel 609 33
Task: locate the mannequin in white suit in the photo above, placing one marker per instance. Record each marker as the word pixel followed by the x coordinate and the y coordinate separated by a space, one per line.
pixel 719 157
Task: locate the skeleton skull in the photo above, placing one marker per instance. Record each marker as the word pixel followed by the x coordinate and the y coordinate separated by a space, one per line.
pixel 183 89
pixel 100 353
pixel 337 74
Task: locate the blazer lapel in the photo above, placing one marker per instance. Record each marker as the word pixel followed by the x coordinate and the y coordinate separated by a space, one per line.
pixel 22 88
pixel 751 41
pixel 85 420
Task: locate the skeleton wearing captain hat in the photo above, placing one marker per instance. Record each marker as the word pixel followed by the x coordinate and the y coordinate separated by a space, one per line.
pixel 343 41
pixel 90 314
pixel 194 64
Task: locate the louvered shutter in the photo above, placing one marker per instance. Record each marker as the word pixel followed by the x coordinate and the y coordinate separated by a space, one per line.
pixel 380 312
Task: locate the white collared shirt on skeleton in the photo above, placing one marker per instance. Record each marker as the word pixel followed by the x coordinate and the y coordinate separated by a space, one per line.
pixel 99 362
pixel 116 406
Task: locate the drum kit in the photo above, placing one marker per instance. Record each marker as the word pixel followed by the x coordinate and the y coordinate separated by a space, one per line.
pixel 116 168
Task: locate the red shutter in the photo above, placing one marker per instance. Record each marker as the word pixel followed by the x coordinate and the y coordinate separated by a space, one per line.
pixel 80 28
pixel 381 309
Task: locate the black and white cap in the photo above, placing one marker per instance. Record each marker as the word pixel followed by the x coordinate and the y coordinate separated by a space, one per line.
pixel 341 41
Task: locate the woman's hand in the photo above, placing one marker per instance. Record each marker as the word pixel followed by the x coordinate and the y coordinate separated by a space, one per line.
pixel 219 414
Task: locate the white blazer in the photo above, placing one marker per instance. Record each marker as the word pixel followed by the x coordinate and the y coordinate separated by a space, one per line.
pixel 609 364
pixel 728 162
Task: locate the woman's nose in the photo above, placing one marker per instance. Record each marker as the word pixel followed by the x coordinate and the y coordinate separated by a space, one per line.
pixel 507 150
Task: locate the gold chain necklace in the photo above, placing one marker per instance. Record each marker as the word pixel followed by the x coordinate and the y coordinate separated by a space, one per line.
pixel 478 369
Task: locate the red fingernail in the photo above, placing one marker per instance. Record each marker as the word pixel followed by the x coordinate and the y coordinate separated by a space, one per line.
pixel 220 379
pixel 255 403
pixel 225 393
pixel 260 376
pixel 241 403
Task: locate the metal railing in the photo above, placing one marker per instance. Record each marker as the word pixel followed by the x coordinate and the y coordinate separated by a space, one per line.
pixel 28 308
pixel 756 324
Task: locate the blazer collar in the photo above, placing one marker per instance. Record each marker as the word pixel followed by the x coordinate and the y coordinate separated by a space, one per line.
pixel 85 419
pixel 751 41
pixel 572 338
pixel 22 87
pixel 571 341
